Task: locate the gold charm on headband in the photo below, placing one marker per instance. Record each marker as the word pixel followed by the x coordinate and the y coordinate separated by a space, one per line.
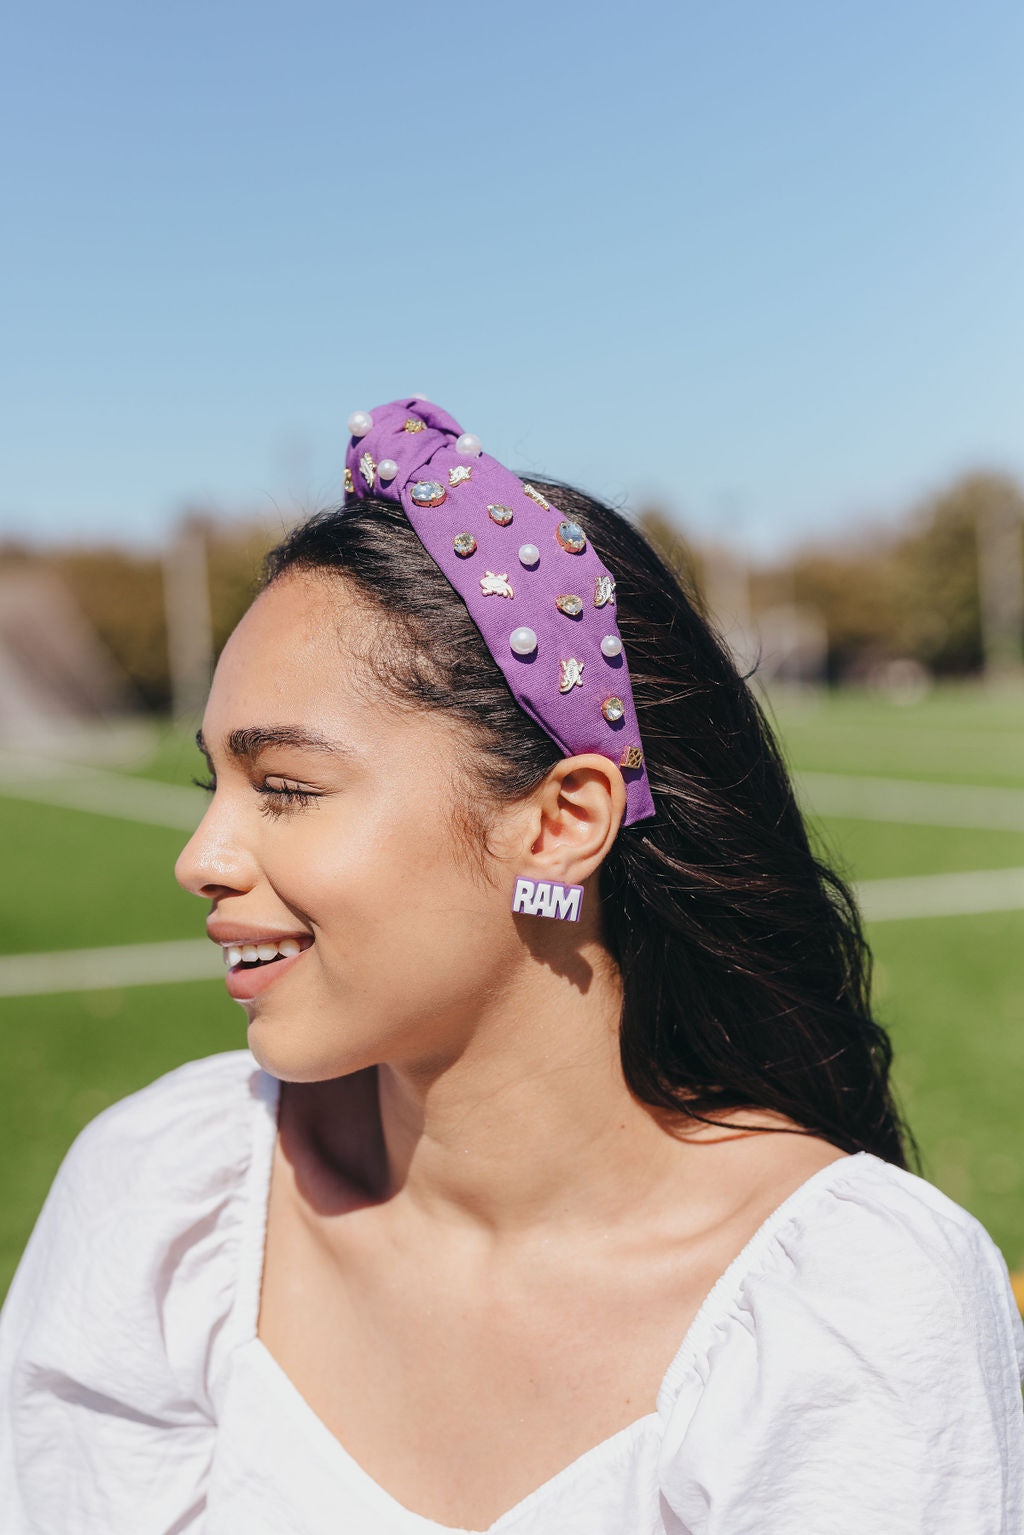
pixel 571 606
pixel 350 484
pixel 613 709
pixel 412 425
pixel 368 469
pixel 632 757
pixel 459 474
pixel 604 591
pixel 495 586
pixel 535 495
pixel 572 675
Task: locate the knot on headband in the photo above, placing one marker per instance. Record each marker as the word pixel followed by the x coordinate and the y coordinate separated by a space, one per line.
pixel 529 576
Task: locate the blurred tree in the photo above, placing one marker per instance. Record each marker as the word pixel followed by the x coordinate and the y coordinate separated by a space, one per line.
pixel 665 533
pixel 122 596
pixel 912 592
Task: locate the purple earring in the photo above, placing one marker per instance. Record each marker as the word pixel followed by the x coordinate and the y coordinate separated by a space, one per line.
pixel 541 898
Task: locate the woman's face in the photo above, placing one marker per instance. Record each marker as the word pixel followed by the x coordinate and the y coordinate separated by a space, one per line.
pixel 404 937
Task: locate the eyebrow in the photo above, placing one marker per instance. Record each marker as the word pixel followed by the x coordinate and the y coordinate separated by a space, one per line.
pixel 246 744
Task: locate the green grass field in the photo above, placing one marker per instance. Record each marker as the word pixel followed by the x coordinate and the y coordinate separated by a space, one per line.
pixel 950 988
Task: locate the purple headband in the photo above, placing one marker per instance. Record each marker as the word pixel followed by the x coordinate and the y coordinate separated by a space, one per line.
pixel 533 584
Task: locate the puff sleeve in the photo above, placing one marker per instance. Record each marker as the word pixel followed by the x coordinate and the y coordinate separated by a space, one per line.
pixel 865 1376
pixel 109 1336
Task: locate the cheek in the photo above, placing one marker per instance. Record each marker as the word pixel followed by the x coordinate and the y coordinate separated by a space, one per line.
pixel 391 905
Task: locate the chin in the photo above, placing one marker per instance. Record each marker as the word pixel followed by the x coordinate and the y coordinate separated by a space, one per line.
pixel 289 1058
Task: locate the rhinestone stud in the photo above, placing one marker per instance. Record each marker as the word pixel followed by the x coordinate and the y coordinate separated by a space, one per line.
pixel 571 536
pixel 502 515
pixel 613 709
pixel 571 606
pixel 535 495
pixel 350 484
pixel 412 425
pixel 428 493
pixel 464 544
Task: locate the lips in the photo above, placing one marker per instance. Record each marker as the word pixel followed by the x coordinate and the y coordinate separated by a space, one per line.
pixel 244 982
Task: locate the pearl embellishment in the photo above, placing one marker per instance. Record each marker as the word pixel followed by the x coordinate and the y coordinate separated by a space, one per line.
pixel 387 469
pixel 523 641
pixel 469 445
pixel 611 646
pixel 529 554
pixel 359 423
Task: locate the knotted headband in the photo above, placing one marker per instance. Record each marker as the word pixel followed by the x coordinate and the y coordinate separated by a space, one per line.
pixel 531 579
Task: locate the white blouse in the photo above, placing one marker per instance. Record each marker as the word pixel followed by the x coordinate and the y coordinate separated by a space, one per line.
pixel 855 1371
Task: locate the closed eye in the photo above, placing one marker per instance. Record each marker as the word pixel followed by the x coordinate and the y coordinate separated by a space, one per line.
pixel 276 800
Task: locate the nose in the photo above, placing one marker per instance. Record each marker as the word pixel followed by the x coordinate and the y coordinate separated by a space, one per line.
pixel 214 861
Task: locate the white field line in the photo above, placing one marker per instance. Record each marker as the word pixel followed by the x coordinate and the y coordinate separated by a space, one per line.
pixel 941 895
pixel 911 800
pixel 77 786
pixel 196 959
pixel 80 787
pixel 130 964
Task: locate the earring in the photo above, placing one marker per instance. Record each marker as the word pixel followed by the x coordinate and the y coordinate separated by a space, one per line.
pixel 541 898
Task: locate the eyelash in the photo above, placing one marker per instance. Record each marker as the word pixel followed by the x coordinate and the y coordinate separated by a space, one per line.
pixel 277 801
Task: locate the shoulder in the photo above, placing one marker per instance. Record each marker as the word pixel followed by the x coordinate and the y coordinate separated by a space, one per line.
pixel 863 1351
pixel 867 1241
pixel 186 1123
pixel 138 1244
pixel 863 1246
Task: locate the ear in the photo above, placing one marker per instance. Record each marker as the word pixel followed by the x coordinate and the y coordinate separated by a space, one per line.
pixel 574 818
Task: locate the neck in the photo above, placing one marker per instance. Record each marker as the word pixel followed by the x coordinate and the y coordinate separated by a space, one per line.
pixel 530 1121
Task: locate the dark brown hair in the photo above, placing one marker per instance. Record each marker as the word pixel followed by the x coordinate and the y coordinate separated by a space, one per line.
pixel 746 976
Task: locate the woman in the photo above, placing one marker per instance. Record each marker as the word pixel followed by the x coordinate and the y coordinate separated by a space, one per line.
pixel 589 1215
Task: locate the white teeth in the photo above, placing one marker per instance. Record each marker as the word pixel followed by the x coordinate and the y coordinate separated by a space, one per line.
pixel 235 953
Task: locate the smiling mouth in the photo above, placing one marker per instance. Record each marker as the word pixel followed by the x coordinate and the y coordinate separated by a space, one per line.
pixel 252 954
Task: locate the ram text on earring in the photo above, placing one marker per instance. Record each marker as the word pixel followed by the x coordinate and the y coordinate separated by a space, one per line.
pixel 543 898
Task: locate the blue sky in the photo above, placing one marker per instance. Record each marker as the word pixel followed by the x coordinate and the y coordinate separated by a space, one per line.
pixel 761 264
